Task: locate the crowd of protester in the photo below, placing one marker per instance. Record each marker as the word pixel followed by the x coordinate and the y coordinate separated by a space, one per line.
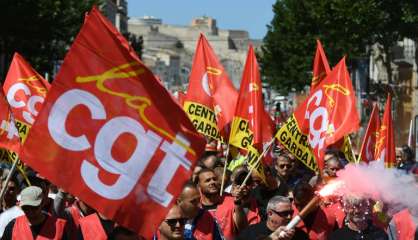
pixel 253 208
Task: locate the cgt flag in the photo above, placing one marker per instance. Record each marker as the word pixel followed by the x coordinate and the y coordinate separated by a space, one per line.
pixel 9 137
pixel 385 143
pixel 211 97
pixel 246 128
pixel 320 67
pixel 25 91
pixel 251 125
pixel 368 147
pixel 318 122
pixel 320 70
pixel 111 134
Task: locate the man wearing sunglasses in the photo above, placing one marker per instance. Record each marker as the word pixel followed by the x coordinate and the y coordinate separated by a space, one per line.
pixel 35 222
pixel 172 227
pixel 284 167
pixel 279 214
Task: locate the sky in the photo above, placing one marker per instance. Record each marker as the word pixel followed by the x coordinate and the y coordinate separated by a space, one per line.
pixel 249 15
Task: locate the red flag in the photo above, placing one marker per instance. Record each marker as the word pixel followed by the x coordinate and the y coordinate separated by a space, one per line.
pixel 368 148
pixel 111 134
pixel 329 113
pixel 9 137
pixel 320 67
pixel 25 91
pixel 211 97
pixel 385 145
pixel 246 126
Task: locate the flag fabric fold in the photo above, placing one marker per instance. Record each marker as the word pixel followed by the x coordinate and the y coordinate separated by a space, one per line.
pixel 368 147
pixel 385 143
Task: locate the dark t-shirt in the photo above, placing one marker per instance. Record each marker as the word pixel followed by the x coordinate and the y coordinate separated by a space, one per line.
pixel 371 233
pixel 261 231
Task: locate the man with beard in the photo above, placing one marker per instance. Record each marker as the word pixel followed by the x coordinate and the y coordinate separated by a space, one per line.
pixel 172 227
pixel 249 203
pixel 358 223
pixel 200 223
pixel 227 210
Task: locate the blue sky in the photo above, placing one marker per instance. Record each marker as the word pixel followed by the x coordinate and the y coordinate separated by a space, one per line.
pixel 250 15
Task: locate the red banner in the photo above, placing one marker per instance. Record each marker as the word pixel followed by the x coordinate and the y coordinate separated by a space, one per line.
pixel 320 67
pixel 329 113
pixel 246 126
pixel 368 148
pixel 25 91
pixel 385 145
pixel 9 136
pixel 111 134
pixel 211 97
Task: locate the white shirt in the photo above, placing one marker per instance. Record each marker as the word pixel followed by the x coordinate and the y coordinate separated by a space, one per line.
pixel 7 216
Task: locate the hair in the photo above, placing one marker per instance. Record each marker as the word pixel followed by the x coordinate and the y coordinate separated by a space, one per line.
pixel 188 184
pixel 303 189
pixel 276 200
pixel 408 152
pixel 203 170
pixel 354 200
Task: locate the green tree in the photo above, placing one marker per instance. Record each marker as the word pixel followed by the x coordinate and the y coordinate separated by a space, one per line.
pixel 345 27
pixel 40 30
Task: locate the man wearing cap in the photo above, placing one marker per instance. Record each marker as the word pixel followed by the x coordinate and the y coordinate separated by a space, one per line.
pixel 35 223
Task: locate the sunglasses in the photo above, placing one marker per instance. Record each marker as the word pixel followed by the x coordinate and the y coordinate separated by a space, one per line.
pixel 173 222
pixel 288 166
pixel 284 213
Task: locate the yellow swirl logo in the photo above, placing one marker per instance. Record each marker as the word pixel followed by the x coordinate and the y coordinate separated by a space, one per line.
pixel 139 103
pixel 31 82
pixel 334 87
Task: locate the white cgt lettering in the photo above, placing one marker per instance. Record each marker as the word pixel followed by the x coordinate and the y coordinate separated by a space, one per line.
pixel 32 101
pixel 315 139
pixel 129 171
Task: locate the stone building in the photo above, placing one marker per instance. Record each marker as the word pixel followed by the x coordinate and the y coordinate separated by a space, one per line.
pixel 403 85
pixel 117 12
pixel 180 41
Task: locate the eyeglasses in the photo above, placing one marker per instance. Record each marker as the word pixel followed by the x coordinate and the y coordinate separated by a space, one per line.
pixel 284 213
pixel 173 222
pixel 288 166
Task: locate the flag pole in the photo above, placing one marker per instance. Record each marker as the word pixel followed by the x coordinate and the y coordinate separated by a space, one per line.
pixel 351 146
pixel 9 176
pixel 224 172
pixel 257 162
pixel 361 150
pixel 410 134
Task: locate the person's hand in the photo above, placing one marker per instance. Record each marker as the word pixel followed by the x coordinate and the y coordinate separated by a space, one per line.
pixel 282 234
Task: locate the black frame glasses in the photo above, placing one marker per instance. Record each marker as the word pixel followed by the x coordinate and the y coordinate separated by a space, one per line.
pixel 173 221
pixel 283 213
